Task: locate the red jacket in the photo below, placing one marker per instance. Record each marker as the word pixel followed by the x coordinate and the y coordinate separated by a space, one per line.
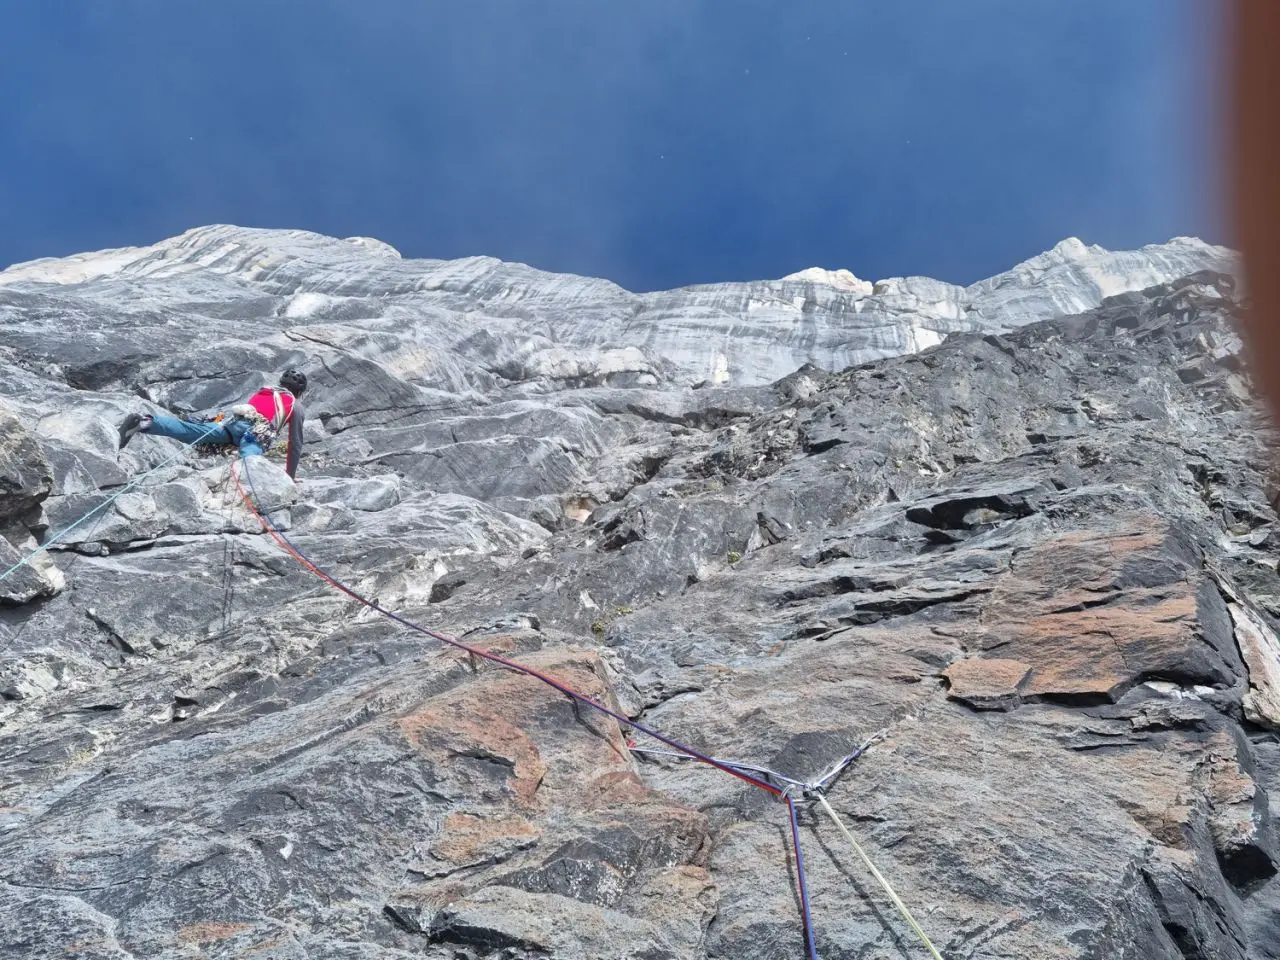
pixel 290 412
pixel 265 403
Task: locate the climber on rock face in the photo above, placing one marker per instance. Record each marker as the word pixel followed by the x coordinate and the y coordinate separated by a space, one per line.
pixel 251 426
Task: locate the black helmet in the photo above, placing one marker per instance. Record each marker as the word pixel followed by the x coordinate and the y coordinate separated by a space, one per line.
pixel 295 381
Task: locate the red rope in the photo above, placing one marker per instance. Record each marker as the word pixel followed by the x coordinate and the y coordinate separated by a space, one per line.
pixel 559 685
pixel 550 681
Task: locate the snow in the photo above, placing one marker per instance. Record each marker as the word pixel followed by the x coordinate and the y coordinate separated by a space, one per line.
pixel 304 305
pixel 77 269
pixel 840 279
pixel 922 339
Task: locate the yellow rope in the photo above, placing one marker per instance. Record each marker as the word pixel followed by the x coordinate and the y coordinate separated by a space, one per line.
pixel 897 902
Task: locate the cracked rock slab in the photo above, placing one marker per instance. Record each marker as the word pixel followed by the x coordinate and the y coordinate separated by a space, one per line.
pixel 987 684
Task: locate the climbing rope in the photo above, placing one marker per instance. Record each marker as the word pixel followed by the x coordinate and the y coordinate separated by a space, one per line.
pixel 801 882
pixel 227 503
pixel 250 498
pixel 757 776
pixel 290 548
pixel 816 789
pixel 67 572
pixel 103 505
pixel 897 901
pixel 736 764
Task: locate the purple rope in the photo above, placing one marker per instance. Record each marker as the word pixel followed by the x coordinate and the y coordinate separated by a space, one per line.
pixel 801 882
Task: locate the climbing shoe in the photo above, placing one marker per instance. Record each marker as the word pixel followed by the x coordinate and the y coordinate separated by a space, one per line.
pixel 132 424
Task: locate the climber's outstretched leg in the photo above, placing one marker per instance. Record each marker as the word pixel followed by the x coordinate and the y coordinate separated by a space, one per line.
pixel 252 426
pixel 181 430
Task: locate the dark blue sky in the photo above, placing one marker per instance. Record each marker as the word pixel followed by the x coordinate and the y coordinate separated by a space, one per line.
pixel 654 142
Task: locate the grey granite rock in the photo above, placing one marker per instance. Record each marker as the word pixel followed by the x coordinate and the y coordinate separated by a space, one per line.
pixel 476 321
pixel 26 480
pixel 25 475
pixel 1040 556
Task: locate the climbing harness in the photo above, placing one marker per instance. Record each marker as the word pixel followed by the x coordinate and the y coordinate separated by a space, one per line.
pixel 100 507
pixel 215 422
pixel 264 430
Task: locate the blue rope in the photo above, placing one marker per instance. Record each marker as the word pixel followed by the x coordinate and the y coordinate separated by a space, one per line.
pixel 103 505
pixel 736 764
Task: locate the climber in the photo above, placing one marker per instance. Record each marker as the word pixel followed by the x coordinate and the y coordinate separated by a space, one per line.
pixel 252 427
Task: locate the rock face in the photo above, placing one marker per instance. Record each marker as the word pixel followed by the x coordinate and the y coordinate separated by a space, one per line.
pixel 479 322
pixel 1040 557
pixel 25 481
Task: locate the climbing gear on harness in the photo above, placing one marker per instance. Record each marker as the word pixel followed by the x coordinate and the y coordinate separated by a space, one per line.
pixel 210 449
pixel 131 425
pixel 266 413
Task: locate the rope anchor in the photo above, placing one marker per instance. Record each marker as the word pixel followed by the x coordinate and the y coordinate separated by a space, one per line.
pixel 815 791
pixel 792 792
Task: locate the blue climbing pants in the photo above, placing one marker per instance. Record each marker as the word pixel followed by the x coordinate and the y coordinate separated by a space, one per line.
pixel 235 433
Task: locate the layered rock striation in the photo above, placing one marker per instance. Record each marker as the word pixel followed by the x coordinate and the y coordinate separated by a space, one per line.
pixel 1039 556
